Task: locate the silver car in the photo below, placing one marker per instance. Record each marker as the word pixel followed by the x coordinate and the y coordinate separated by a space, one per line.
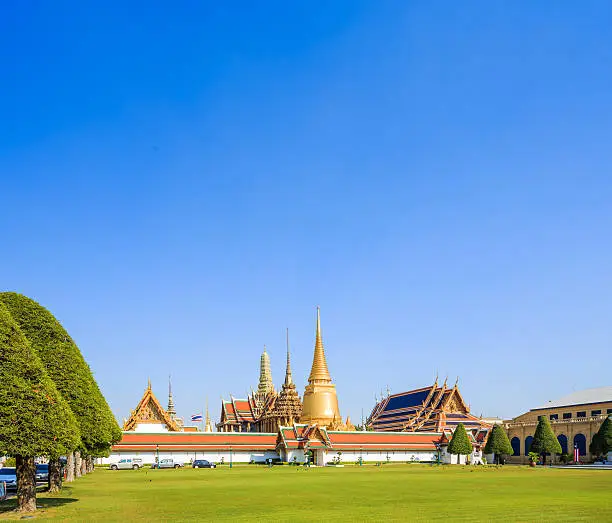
pixel 127 463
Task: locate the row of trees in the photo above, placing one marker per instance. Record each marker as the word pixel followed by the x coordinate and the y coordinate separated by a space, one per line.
pixel 50 403
pixel 544 442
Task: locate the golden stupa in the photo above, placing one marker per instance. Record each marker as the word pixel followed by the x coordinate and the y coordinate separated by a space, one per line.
pixel 320 400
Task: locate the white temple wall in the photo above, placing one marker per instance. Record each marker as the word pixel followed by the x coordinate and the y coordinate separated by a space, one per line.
pixel 403 456
pixel 236 456
pixel 151 427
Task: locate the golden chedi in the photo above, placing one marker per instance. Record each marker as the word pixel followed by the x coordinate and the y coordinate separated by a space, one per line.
pixel 320 401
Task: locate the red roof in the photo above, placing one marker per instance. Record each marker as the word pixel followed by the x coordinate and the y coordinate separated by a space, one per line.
pixel 136 441
pixel 384 440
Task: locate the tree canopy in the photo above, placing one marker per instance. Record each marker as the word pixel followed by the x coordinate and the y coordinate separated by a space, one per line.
pixel 460 442
pixel 544 439
pixel 498 442
pixel 602 439
pixel 69 371
pixel 35 420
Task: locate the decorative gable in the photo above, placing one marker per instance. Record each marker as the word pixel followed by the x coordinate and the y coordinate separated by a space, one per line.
pixel 149 410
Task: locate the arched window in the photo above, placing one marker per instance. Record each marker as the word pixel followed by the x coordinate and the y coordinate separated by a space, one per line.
pixel 528 441
pixel 580 442
pixel 516 446
pixel 562 439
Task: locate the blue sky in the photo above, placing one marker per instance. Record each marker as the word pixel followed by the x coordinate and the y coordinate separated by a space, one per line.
pixel 181 183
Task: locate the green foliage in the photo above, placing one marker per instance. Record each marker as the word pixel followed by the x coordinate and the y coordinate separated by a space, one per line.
pixel 544 439
pixel 602 439
pixel 498 442
pixel 460 442
pixel 533 457
pixel 68 369
pixel 35 420
pixel 10 462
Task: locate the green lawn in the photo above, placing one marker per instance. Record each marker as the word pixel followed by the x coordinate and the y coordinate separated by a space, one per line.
pixel 390 492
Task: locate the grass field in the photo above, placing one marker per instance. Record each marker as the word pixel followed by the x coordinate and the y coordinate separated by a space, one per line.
pixel 390 492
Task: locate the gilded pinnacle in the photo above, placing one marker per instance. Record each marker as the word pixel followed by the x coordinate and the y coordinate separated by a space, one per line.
pixel 319 372
pixel 288 377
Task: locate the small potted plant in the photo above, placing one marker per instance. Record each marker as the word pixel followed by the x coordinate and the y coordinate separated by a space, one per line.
pixel 533 458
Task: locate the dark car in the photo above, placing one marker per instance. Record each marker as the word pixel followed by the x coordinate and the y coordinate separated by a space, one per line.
pixel 203 464
pixel 42 472
pixel 8 475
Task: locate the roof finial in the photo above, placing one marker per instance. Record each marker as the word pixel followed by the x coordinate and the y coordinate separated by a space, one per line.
pixel 319 371
pixel 149 383
pixel 208 426
pixel 456 381
pixel 288 377
pixel 171 411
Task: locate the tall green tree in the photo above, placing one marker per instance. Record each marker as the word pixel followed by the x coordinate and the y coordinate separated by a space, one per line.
pixel 35 420
pixel 544 440
pixel 460 443
pixel 602 440
pixel 72 376
pixel 498 443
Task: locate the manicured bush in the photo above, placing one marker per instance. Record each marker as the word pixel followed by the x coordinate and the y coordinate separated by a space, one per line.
pixel 544 440
pixel 498 444
pixel 460 442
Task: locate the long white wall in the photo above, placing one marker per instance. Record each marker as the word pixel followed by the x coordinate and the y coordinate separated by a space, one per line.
pixel 186 457
pixel 351 456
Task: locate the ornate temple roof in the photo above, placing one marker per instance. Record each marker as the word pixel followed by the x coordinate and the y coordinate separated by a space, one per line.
pixel 431 408
pixel 149 410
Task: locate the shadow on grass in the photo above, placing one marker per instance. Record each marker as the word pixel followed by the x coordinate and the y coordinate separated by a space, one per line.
pixel 41 503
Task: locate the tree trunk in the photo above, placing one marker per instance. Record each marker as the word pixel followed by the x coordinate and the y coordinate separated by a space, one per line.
pixel 26 484
pixel 544 458
pixel 84 466
pixel 70 467
pixel 77 464
pixel 55 475
pixel 90 464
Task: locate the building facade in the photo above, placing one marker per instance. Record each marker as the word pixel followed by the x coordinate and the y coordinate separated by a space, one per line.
pixel 574 419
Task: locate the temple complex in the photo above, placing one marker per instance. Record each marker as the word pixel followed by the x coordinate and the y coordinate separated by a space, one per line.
pixel 436 408
pixel 412 426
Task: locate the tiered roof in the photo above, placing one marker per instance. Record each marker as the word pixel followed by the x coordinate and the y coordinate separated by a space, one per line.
pixel 432 408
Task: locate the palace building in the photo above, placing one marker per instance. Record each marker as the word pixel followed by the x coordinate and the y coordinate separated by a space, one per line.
pixel 574 418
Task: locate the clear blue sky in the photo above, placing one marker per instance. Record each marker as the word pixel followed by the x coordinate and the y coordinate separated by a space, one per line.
pixel 181 183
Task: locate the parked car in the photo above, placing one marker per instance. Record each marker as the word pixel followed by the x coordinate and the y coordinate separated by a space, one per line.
pixel 203 464
pixel 166 463
pixel 42 472
pixel 127 463
pixel 8 475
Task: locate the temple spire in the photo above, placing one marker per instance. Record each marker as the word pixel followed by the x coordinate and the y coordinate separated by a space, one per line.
pixel 319 372
pixel 288 377
pixel 171 410
pixel 208 426
pixel 265 374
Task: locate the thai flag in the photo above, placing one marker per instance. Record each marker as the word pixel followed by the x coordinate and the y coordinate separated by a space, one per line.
pixel 576 454
pixel 196 417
